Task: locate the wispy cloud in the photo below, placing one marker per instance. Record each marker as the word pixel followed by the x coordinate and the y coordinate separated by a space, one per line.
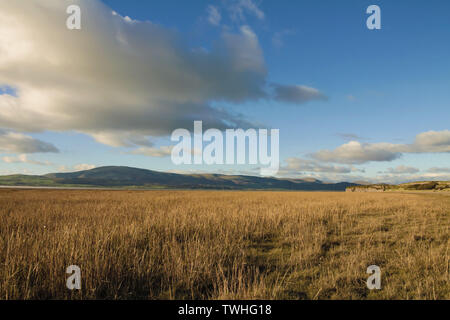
pixel 77 167
pixel 84 166
pixel 297 165
pixel 239 9
pixel 23 158
pixel 214 16
pixel 404 178
pixel 351 136
pixel 297 94
pixel 439 170
pixel 402 170
pixel 163 151
pixel 278 38
pixel 13 142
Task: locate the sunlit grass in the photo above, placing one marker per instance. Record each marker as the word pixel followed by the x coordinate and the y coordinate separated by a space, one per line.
pixel 223 245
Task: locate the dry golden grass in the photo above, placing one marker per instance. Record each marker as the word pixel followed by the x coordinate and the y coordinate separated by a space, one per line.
pixel 223 245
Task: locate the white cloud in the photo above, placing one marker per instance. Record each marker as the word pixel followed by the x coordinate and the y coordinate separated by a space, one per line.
pixel 432 141
pixel 214 16
pixel 12 142
pixel 23 158
pixel 297 93
pixel 355 152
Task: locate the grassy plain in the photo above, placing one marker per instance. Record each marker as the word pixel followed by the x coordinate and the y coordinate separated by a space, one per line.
pixel 223 245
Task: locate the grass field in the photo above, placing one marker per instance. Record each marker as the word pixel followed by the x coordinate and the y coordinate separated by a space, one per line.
pixel 223 245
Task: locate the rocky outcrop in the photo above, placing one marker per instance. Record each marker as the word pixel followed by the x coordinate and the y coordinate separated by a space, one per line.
pixel 369 188
pixel 411 186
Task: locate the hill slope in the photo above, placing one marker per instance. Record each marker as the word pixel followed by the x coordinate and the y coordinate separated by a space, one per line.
pixel 127 177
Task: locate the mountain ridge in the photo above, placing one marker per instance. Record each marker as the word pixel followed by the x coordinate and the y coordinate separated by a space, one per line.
pixel 130 177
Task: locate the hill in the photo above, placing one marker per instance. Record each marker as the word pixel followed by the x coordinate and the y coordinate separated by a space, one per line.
pixel 127 177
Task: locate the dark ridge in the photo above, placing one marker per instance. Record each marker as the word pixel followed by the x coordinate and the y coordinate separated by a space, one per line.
pixel 128 177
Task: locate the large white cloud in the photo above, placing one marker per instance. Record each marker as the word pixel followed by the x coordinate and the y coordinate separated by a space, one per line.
pixel 355 152
pixel 117 79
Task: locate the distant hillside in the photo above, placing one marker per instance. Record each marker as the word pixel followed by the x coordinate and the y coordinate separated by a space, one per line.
pixel 411 186
pixel 127 177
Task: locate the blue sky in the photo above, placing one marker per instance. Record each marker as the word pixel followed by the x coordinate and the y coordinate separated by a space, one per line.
pixel 384 87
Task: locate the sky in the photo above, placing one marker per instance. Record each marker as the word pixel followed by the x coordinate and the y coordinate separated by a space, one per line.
pixel 351 104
